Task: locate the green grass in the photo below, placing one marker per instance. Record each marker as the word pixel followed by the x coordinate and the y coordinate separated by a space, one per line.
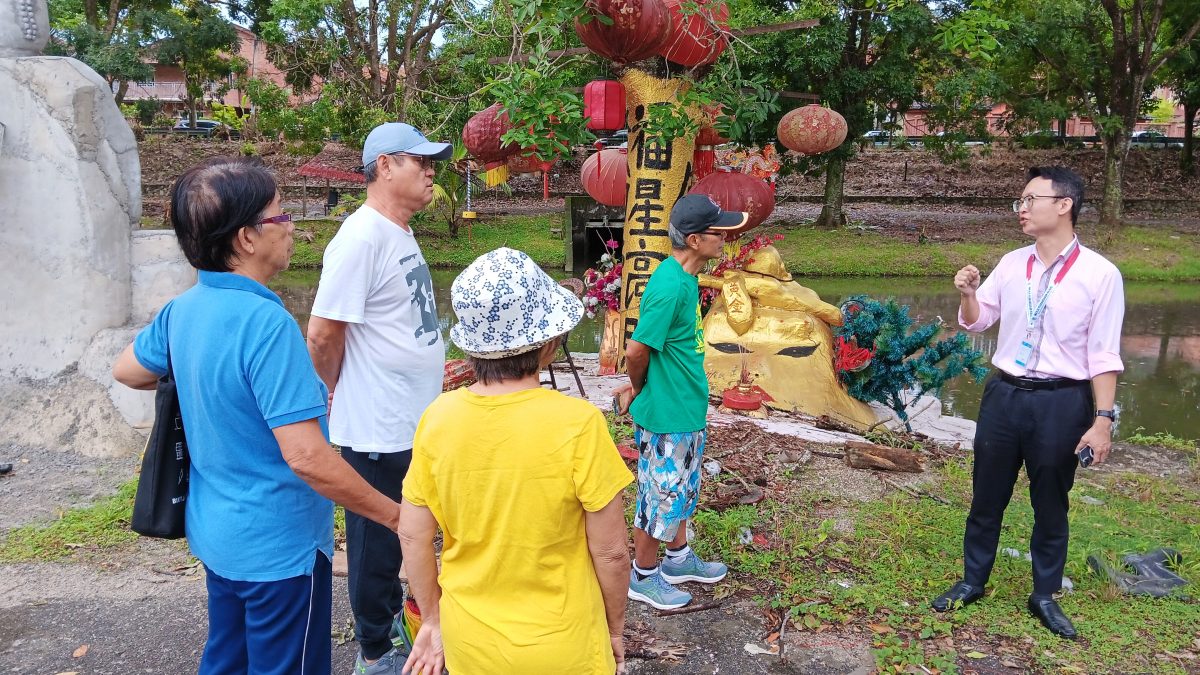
pixel 904 551
pixel 530 234
pixel 1163 439
pixel 1142 254
pixel 104 524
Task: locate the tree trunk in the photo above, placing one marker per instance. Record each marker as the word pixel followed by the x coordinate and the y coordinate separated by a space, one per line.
pixel 122 89
pixel 1116 147
pixel 833 213
pixel 1187 159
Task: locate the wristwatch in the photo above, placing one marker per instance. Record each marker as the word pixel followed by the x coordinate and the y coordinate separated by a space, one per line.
pixel 1107 413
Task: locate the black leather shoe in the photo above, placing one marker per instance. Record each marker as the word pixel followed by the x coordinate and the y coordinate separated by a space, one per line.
pixel 960 595
pixel 1051 615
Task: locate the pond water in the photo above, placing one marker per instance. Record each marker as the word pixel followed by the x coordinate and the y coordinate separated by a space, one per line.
pixel 1160 344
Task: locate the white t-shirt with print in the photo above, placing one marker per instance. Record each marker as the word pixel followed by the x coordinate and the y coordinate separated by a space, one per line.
pixel 375 279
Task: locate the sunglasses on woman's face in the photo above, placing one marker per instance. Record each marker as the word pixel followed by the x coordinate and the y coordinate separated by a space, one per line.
pixel 281 218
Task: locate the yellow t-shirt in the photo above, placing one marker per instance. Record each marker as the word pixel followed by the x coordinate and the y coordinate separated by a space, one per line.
pixel 508 479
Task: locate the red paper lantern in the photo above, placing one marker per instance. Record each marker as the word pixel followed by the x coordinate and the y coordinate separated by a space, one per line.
pixel 524 162
pixel 604 105
pixel 812 129
pixel 697 39
pixel 637 31
pixel 704 157
pixel 482 135
pixel 605 176
pixel 708 131
pixel 738 192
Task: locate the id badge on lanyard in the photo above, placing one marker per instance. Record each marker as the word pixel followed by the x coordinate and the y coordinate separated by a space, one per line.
pixel 1035 312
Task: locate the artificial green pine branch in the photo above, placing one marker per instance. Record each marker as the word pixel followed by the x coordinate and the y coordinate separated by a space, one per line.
pixel 904 357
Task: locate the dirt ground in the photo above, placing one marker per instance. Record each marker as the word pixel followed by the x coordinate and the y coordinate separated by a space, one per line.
pixel 141 607
pixel 1150 174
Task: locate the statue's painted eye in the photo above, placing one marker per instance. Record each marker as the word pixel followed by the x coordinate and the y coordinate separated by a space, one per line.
pixel 797 351
pixel 729 347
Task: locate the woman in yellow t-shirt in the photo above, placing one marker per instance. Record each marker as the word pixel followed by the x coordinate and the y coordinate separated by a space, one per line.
pixel 525 484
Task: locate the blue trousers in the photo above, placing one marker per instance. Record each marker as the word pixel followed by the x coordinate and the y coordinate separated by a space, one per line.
pixel 270 627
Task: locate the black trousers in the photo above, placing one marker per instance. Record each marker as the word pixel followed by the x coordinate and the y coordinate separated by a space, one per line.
pixel 1039 429
pixel 373 555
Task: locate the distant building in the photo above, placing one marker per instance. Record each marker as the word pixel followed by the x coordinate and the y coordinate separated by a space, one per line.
pixel 168 87
pixel 916 125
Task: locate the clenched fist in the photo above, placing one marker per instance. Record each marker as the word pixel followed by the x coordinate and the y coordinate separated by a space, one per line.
pixel 967 280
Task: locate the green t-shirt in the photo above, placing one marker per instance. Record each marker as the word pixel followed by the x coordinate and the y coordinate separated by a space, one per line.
pixel 675 397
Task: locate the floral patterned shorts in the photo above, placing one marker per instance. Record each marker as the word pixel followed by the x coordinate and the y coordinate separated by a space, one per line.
pixel 668 480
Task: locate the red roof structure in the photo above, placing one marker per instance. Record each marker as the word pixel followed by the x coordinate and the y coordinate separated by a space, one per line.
pixel 335 162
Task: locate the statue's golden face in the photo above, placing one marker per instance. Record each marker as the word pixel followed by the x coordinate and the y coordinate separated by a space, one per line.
pixel 787 352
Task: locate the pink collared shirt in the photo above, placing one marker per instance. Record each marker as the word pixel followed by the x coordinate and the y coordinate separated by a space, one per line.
pixel 1081 326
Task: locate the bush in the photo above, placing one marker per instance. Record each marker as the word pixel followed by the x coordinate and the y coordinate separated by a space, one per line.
pixel 249 149
pixel 148 110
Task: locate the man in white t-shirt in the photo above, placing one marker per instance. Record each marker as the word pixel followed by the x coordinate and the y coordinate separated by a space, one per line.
pixel 376 341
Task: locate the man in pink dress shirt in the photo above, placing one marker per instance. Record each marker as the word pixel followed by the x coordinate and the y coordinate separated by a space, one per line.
pixel 1060 307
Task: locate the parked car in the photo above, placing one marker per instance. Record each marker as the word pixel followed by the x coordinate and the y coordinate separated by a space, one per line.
pixel 207 128
pixel 877 136
pixel 618 139
pixel 1153 137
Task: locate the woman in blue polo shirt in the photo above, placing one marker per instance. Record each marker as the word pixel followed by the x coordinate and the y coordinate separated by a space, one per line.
pixel 259 514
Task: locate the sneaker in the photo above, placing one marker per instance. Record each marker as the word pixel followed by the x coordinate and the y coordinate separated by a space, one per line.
pixel 656 592
pixel 388 664
pixel 693 569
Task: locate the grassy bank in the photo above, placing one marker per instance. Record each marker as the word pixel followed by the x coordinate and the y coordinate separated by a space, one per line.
pixel 832 563
pixel 1142 254
pixel 530 234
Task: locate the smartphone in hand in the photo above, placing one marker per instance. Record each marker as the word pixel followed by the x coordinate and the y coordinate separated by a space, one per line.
pixel 1086 456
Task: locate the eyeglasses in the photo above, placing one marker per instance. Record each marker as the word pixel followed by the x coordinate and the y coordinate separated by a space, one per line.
pixel 281 218
pixel 425 162
pixel 1027 201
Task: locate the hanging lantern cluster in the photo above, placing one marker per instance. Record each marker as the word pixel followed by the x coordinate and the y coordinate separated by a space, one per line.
pixel 812 129
pixel 605 176
pixel 734 191
pixel 482 135
pixel 699 38
pixel 636 29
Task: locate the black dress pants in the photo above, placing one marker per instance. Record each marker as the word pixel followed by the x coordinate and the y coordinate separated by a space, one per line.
pixel 1040 429
pixel 373 554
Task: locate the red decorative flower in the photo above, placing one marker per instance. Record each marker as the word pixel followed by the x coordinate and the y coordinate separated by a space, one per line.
pixel 848 357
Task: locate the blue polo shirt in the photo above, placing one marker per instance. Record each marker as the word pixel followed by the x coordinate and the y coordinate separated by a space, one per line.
pixel 242 369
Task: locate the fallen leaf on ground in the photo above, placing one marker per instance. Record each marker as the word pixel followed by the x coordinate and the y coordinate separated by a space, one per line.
pixel 881 628
pixel 80 651
pixel 975 655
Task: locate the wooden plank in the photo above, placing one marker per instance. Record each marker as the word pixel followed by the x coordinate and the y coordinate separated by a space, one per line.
pixel 870 456
pixel 739 32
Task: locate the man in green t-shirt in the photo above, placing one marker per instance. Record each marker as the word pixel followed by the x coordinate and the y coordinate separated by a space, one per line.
pixel 665 358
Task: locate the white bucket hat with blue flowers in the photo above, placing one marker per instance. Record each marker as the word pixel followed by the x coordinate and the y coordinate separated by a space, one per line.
pixel 507 305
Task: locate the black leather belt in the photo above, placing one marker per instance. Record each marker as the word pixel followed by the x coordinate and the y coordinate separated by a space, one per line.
pixel 1037 384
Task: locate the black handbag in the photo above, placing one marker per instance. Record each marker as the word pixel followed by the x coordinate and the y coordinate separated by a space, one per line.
pixel 161 499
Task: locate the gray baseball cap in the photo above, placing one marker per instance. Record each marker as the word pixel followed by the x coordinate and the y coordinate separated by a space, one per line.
pixel 393 137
